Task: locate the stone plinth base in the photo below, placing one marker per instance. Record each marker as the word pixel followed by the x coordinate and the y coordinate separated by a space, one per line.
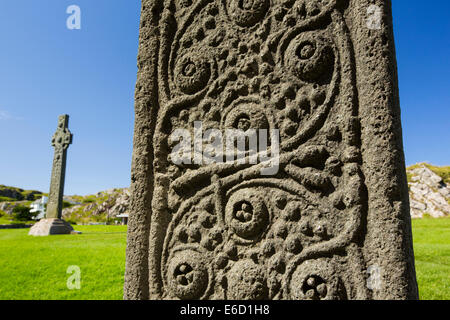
pixel 47 227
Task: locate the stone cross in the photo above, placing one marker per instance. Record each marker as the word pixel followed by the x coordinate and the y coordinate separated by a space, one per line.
pixel 332 220
pixel 60 141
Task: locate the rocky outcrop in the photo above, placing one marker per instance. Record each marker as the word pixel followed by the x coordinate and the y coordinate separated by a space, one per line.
pixel 99 207
pixel 11 193
pixel 429 194
pixel 8 207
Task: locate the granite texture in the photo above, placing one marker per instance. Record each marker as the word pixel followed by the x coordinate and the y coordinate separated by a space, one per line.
pixel 60 141
pixel 333 222
pixel 47 227
pixel 53 224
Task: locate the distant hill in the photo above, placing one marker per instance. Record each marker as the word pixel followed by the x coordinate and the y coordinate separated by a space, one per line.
pixel 17 194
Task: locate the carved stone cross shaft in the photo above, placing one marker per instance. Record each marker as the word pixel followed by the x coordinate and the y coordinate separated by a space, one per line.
pixel 61 141
pixel 332 220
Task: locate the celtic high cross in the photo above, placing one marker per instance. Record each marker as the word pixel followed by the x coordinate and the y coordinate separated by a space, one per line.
pixel 60 141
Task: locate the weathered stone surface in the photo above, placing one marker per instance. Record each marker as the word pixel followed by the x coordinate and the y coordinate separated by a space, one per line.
pixel 333 222
pixel 429 194
pixel 8 207
pixel 53 224
pixel 60 141
pixel 11 193
pixel 47 227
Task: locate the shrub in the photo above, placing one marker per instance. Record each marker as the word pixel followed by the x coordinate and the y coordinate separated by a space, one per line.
pixel 409 176
pixel 22 213
pixel 67 204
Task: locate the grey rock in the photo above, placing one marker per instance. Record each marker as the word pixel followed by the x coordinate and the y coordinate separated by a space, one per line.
pixel 8 207
pixel 11 193
pixel 117 202
pixel 47 227
pixel 429 195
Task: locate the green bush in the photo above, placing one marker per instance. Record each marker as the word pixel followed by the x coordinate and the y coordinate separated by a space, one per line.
pixel 22 213
pixel 67 204
pixel 409 176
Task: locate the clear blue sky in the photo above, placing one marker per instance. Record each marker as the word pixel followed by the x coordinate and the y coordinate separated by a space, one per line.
pixel 47 70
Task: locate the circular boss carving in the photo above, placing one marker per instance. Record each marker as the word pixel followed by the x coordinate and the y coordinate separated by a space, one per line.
pixel 246 116
pixel 187 275
pixel 314 280
pixel 192 73
pixel 246 214
pixel 310 56
pixel 246 13
pixel 246 281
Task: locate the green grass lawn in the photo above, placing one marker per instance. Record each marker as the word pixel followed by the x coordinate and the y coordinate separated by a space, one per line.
pixel 432 252
pixel 7 220
pixel 36 268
